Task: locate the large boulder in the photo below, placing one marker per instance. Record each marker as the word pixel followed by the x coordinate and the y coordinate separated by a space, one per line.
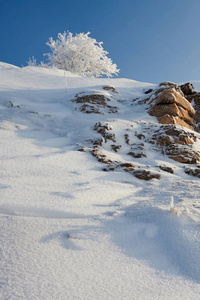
pixel 171 96
pixel 171 107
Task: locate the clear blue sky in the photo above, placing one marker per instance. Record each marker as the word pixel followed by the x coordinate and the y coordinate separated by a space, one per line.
pixel 149 40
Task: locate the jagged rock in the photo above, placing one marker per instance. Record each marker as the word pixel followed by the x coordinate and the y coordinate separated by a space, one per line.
pixel 196 98
pixel 82 150
pixel 176 144
pixel 103 129
pixel 187 89
pixel 116 147
pixel 95 103
pixel 197 116
pixel 172 110
pixel 148 91
pixel 169 96
pixel 170 85
pixel 193 172
pixel 145 175
pixel 167 119
pixel 171 107
pixel 137 155
pixel 110 88
pixel 127 167
pixel 126 136
pixel 140 136
pixel 181 136
pixel 167 169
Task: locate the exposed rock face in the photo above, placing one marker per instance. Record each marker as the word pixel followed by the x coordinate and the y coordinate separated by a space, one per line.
pixel 167 169
pixel 120 143
pixel 94 103
pixel 187 89
pixel 192 95
pixel 110 88
pixel 137 152
pixel 168 85
pixel 168 119
pixel 171 107
pixel 195 97
pixel 145 175
pixel 177 144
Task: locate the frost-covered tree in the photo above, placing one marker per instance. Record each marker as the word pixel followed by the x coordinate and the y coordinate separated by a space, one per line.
pixel 33 63
pixel 80 54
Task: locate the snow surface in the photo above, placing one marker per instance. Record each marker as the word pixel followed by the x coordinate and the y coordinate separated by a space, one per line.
pixel 72 231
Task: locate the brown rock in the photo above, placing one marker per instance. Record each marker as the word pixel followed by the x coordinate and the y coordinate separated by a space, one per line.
pixel 193 172
pixel 187 89
pixel 137 155
pixel 148 91
pixel 177 144
pixel 171 85
pixel 167 119
pixel 163 109
pixel 168 84
pixel 94 103
pixel 167 169
pixel 189 98
pixel 197 116
pixel 185 160
pixel 145 175
pixel 183 114
pixel 169 96
pixel 82 150
pixel 110 88
pixel 126 165
pixel 116 147
pixel 196 98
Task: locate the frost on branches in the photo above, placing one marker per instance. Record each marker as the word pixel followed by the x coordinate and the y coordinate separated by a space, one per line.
pixel 80 54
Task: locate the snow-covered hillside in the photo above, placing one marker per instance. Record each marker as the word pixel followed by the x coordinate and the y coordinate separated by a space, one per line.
pixel 75 223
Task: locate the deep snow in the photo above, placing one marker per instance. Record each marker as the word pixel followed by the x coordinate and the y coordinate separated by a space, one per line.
pixel 72 231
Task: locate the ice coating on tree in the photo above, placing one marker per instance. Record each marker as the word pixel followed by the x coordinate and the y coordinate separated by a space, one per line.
pixel 80 54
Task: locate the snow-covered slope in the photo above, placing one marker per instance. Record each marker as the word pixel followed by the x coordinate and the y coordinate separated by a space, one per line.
pixel 70 230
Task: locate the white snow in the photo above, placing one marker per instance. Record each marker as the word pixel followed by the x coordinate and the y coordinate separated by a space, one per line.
pixel 72 231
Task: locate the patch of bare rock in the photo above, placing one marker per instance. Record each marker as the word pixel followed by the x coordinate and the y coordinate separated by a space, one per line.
pixel 176 143
pixel 96 103
pixel 172 141
pixel 106 135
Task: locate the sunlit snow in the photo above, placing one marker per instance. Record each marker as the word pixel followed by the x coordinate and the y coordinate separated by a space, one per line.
pixel 69 230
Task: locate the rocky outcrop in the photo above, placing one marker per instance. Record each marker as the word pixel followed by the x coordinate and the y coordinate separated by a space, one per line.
pixel 94 103
pixel 108 137
pixel 110 88
pixel 129 146
pixel 171 107
pixel 176 143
